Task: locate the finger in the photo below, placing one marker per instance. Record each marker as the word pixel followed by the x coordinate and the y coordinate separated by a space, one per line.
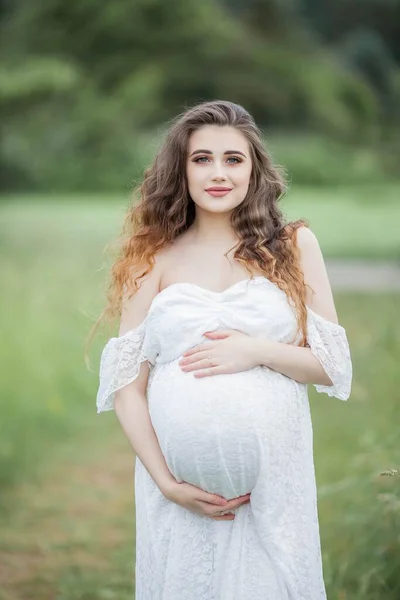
pixel 245 497
pixel 195 358
pixel 213 499
pixel 236 502
pixel 204 363
pixel 216 336
pixel 232 504
pixel 245 501
pixel 219 333
pixel 228 509
pixel 209 371
pixel 198 348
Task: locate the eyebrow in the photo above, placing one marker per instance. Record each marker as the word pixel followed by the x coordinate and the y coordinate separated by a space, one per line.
pixel 209 152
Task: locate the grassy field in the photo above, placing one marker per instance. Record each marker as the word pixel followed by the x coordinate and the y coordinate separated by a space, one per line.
pixel 350 222
pixel 67 512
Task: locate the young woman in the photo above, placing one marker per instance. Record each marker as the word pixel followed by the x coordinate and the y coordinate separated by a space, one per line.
pixel 226 314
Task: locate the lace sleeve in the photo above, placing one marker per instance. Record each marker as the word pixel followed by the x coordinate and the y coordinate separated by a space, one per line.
pixel 328 342
pixel 120 365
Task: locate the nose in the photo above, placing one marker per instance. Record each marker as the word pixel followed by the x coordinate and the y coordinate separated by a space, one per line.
pixel 218 172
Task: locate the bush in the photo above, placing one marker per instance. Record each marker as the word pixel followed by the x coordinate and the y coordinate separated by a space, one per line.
pixel 313 159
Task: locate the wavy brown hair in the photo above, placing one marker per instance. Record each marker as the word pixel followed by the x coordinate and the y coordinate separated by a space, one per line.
pixel 165 210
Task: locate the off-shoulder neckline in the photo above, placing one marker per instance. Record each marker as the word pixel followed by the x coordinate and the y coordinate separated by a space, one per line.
pixel 237 284
pixel 195 286
pixel 231 288
pixel 213 292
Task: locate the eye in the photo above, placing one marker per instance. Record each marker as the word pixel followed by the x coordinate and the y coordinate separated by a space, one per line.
pixel 200 159
pixel 235 159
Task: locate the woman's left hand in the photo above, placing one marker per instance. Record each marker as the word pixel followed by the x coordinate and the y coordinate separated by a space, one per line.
pixel 230 351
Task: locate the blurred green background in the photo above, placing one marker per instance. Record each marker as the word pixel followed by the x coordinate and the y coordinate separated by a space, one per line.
pixel 86 92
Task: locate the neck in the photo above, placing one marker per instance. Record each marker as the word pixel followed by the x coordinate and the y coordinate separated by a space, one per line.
pixel 213 229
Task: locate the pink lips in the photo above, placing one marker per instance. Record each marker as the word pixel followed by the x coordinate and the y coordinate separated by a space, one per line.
pixel 218 191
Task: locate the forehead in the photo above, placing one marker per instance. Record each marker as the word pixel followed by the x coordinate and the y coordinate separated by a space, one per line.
pixel 217 139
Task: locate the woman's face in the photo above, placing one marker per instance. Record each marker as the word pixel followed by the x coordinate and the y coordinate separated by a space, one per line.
pixel 218 157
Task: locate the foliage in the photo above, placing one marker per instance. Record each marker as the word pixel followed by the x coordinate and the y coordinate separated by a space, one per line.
pixel 83 84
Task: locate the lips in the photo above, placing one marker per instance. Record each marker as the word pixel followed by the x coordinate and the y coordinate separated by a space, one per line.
pixel 218 189
pixel 217 192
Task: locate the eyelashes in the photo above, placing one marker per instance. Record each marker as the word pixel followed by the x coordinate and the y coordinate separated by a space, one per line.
pixel 235 158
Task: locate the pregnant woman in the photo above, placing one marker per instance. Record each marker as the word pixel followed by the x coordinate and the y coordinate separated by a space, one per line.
pixel 226 314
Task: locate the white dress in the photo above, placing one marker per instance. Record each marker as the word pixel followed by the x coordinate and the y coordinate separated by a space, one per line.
pixel 228 434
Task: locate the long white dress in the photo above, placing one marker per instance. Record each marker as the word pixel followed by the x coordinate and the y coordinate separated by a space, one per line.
pixel 228 434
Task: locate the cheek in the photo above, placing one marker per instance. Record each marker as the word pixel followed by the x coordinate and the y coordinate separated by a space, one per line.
pixel 243 178
pixel 194 177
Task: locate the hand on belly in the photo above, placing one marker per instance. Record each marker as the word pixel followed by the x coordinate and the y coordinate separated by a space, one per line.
pixel 203 503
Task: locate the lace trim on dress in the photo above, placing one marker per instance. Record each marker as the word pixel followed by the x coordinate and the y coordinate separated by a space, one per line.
pixel 328 342
pixel 120 365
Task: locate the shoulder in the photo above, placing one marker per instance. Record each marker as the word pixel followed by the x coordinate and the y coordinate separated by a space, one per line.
pixel 301 237
pixel 307 240
pixel 136 303
pixel 318 289
pixel 310 250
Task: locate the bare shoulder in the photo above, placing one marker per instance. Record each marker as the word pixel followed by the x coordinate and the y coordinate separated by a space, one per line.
pixel 135 307
pixel 307 240
pixel 319 295
pixel 310 251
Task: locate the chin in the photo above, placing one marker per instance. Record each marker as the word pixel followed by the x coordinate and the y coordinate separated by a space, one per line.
pixel 217 205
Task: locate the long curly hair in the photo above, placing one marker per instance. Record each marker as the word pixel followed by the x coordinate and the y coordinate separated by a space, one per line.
pixel 165 210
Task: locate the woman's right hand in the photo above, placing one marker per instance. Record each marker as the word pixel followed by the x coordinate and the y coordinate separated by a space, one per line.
pixel 203 503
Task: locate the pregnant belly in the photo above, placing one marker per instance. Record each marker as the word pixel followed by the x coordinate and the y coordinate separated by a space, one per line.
pixel 213 430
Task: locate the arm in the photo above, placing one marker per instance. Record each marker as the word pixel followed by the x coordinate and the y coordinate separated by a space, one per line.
pixel 130 402
pixel 297 362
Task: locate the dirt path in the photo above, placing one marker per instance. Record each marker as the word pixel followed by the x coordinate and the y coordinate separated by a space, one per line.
pixel 72 534
pixel 364 275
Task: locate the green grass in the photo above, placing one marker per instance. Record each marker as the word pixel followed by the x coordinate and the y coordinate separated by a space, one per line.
pixel 67 521
pixel 354 442
pixel 349 221
pixel 359 222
